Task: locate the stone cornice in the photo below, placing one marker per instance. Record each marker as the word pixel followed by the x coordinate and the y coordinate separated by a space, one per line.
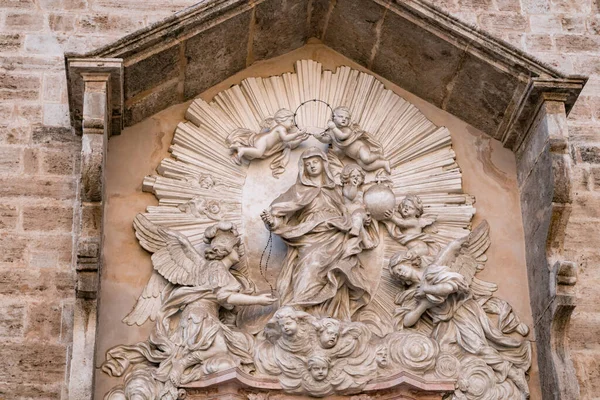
pixel 453 55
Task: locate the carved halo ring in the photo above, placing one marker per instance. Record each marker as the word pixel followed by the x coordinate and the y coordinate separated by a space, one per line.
pixel 311 101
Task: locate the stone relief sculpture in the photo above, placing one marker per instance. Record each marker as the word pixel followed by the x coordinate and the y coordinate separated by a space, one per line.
pixel 355 308
pixel 278 135
pixel 321 272
pixel 453 298
pixel 348 139
pixel 199 343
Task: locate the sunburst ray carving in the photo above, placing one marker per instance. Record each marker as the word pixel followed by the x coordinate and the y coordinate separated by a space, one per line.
pixel 420 152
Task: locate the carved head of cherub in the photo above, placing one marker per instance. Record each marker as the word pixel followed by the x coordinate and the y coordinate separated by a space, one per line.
pixel 341 116
pixel 318 366
pixel 328 330
pixel 382 356
pixel 411 206
pixel 285 118
pixel 287 320
pixel 353 175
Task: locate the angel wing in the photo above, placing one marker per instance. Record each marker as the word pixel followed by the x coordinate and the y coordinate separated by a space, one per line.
pixel 175 262
pixel 148 304
pixel 466 256
pixel 427 222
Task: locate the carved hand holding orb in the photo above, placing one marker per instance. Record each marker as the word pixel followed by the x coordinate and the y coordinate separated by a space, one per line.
pixel 374 267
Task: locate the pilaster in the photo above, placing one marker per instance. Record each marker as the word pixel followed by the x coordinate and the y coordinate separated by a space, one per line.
pixel 544 174
pixel 96 126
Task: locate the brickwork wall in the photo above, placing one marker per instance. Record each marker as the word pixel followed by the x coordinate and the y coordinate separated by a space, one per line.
pixel 39 161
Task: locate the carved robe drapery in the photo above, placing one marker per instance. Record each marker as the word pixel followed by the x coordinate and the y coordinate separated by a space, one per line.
pixel 321 271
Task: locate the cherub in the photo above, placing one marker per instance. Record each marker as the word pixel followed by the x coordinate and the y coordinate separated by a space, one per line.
pixel 382 359
pixel 347 138
pixel 280 134
pixel 328 330
pixel 407 223
pixel 318 366
pixel 291 330
pixel 353 179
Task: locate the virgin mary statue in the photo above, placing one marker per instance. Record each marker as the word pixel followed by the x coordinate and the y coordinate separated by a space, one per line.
pixel 321 272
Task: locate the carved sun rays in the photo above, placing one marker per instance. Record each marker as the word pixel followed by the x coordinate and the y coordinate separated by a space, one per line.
pixel 200 167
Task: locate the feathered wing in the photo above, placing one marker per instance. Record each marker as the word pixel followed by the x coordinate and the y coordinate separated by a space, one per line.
pixel 175 262
pixel 150 301
pixel 470 258
pixel 178 261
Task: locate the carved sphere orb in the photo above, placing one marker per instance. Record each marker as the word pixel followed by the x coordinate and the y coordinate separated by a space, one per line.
pixel 378 199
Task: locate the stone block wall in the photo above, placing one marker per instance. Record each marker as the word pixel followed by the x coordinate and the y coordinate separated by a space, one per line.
pixel 39 173
pixel 39 164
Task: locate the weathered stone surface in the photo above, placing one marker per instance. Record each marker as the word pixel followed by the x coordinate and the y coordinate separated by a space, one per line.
pixel 589 154
pixel 545 23
pixel 483 97
pixel 352 29
pixel 10 160
pixel 57 188
pixel 538 42
pixel 499 22
pixel 56 162
pixel 13 247
pixel 44 321
pixel 32 361
pixel 24 22
pixel 91 220
pixel 152 71
pixel 318 17
pixel 24 282
pixel 57 243
pixel 279 27
pixel 160 98
pixel 416 54
pixel 10 41
pixel 12 318
pixel 54 135
pixel 92 154
pixel 48 218
pixel 32 390
pixel 8 216
pixel 218 53
pixel 19 87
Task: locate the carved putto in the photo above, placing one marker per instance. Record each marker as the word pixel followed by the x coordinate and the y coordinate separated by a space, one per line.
pixel 358 273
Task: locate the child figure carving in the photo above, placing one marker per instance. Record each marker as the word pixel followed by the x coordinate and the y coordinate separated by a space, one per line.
pixel 350 140
pixel 279 135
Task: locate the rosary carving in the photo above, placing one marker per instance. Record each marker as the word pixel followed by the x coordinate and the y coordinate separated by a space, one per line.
pixel 379 275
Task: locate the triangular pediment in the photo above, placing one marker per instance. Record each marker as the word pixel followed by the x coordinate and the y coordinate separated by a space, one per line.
pixel 456 67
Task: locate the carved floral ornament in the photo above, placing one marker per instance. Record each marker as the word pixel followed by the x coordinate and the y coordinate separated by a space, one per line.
pixel 351 209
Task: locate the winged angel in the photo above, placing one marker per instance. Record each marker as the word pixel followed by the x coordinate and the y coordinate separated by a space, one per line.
pixel 456 303
pixel 187 295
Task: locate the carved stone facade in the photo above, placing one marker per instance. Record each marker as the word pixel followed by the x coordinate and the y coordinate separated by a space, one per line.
pixel 41 158
pixel 352 291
